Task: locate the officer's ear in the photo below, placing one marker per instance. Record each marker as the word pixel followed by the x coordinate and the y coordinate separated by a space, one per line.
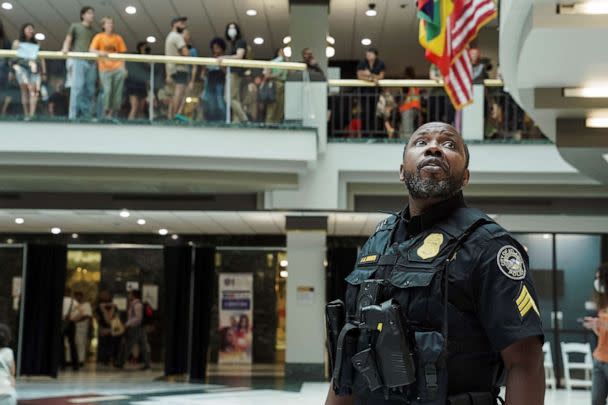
pixel 402 173
pixel 466 177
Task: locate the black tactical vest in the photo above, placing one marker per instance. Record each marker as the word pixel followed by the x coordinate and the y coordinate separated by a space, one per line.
pixel 412 275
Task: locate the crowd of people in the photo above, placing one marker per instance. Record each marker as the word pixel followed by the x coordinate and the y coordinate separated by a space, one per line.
pixel 374 112
pixel 117 332
pixel 109 89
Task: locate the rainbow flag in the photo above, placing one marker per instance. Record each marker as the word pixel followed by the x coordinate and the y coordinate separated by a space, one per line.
pixel 446 29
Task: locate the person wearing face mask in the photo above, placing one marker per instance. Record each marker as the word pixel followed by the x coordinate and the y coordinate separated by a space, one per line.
pixel 237 50
pixel 599 326
pixel 177 74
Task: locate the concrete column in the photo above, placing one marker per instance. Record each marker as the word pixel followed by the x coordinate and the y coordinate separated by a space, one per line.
pixel 472 115
pixel 305 347
pixel 307 102
pixel 308 28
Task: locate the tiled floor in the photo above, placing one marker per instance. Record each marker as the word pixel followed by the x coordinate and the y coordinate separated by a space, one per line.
pixel 138 388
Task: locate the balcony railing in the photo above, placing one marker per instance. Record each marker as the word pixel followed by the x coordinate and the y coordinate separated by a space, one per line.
pixel 393 109
pixel 218 90
pixel 248 92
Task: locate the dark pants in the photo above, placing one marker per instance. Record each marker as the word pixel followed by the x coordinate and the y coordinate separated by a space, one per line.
pixel 69 333
pixel 599 387
pixel 109 349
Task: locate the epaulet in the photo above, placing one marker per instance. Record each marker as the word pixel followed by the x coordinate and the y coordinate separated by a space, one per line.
pixel 387 223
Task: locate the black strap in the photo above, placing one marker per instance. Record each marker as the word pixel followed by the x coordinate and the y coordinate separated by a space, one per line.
pixel 449 259
pixel 340 351
pixel 472 398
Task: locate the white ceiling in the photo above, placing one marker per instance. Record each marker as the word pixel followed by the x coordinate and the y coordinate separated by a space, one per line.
pixel 179 222
pixel 394 30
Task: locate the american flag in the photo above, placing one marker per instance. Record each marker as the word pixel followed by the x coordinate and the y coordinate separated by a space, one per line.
pixel 464 23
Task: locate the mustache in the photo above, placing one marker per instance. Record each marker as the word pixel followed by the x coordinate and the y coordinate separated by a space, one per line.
pixel 434 161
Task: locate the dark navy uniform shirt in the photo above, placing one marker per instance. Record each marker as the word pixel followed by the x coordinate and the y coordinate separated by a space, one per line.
pixel 491 288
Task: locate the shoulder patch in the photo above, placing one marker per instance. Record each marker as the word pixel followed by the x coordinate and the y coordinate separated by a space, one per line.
pixel 511 263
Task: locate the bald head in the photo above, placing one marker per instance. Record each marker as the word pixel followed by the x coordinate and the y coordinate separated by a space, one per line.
pixel 435 163
pixel 438 128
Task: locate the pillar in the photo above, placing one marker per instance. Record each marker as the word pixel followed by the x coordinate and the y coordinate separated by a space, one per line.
pixel 305 317
pixel 308 28
pixel 473 115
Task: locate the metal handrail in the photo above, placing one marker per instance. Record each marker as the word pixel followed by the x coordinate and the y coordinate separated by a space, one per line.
pixel 184 60
pixel 401 83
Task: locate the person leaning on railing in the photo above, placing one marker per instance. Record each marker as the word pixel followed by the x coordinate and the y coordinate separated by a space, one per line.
pixel 238 50
pixel 272 91
pixel 81 73
pixel 112 73
pixel 29 70
pixel 371 69
pixel 410 107
pixel 176 74
pixel 137 83
pixel 214 103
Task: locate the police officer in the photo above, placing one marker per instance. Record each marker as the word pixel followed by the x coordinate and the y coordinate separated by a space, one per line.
pixel 468 318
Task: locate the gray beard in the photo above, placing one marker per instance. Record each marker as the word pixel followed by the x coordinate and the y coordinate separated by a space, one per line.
pixel 420 188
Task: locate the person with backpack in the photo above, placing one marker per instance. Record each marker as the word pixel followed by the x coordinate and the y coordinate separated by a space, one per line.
pixel 136 331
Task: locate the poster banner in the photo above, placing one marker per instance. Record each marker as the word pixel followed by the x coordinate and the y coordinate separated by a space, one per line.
pixel 235 317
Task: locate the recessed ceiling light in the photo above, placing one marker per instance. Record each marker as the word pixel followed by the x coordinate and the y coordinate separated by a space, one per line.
pixel 371 12
pixel 258 40
pixel 55 231
pixel 587 92
pixel 587 7
pixel 330 51
pixel 283 274
pixel 10 241
pixel 330 40
pixel 546 236
pixel 174 236
pixel 596 122
pixel 125 214
pixel 130 10
pixel 251 12
pixel 40 36
pixel 283 263
pixel 287 51
pixel 163 231
pixel 151 39
pixel 141 221
pixel 7 6
pixel 366 41
pixel 74 236
pixel 19 221
pixel 287 40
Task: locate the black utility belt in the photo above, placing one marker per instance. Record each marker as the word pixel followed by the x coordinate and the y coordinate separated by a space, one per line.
pixel 472 398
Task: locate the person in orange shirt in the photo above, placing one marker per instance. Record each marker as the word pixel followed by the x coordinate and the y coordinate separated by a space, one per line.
pixel 112 73
pixel 599 325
